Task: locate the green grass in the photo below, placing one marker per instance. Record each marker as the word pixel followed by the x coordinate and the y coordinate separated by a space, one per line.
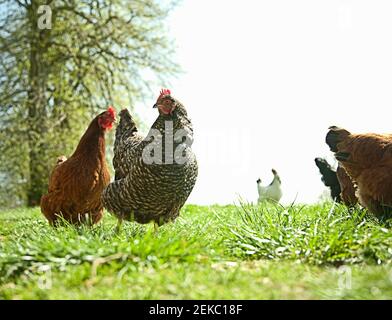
pixel 218 252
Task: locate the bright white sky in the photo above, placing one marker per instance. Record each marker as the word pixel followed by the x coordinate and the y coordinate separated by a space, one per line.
pixel 264 80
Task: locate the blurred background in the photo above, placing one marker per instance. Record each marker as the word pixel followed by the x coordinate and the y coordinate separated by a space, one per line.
pixel 262 82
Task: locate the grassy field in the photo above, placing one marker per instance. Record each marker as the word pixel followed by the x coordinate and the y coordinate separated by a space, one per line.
pixel 218 252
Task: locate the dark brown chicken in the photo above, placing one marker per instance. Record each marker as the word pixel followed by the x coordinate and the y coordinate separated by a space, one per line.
pixel 367 159
pixel 347 187
pixel 76 183
pixel 154 174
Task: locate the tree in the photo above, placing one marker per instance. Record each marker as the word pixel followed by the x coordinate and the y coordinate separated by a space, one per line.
pixel 60 64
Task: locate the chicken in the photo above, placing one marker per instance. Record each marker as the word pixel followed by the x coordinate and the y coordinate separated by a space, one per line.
pixel 329 178
pixel 272 192
pixel 347 187
pixel 367 159
pixel 76 183
pixel 154 175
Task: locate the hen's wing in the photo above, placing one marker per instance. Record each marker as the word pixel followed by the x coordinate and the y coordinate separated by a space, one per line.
pixel 70 183
pixel 53 202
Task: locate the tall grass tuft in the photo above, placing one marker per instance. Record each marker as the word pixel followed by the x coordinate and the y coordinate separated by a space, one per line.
pixel 321 234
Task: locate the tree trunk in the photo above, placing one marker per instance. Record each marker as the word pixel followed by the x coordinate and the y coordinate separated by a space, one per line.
pixel 36 106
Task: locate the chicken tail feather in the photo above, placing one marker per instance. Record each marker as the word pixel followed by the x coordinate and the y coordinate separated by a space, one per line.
pixel 126 122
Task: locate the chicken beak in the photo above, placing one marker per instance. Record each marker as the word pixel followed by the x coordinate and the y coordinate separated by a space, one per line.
pixel 155 106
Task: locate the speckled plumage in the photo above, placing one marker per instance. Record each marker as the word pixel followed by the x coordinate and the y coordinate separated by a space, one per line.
pixel 145 192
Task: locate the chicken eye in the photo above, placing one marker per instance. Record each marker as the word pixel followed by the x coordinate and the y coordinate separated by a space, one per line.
pixel 167 102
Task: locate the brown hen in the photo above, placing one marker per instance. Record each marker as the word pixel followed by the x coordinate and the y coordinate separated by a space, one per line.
pixel 76 183
pixel 367 159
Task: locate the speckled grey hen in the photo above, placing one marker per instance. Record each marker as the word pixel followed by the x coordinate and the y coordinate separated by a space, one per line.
pixel 154 175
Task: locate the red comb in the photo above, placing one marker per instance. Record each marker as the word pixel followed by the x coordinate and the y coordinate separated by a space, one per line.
pixel 112 111
pixel 164 92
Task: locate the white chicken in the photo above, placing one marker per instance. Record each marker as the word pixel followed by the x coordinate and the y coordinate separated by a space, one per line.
pixel 272 192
